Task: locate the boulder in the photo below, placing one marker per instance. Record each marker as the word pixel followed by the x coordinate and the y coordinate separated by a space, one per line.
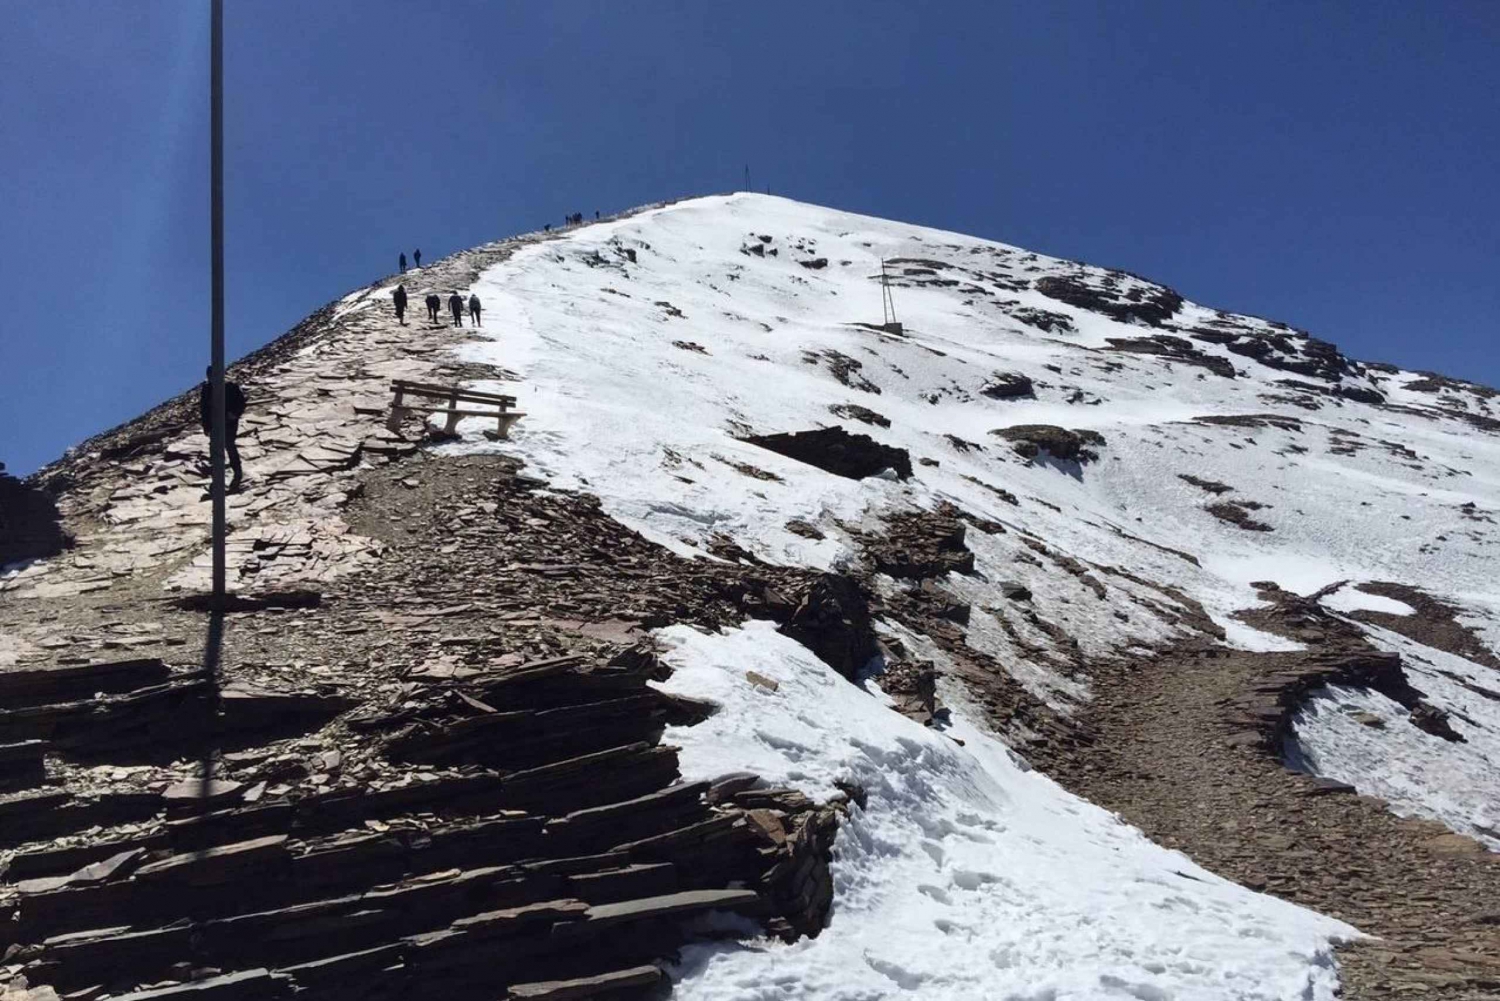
pixel 1143 302
pixel 1031 440
pixel 833 621
pixel 836 451
pixel 1009 386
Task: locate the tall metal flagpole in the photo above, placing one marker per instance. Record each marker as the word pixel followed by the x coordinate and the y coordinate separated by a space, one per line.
pixel 216 376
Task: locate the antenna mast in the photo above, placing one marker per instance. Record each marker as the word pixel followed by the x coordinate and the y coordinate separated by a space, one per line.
pixel 887 304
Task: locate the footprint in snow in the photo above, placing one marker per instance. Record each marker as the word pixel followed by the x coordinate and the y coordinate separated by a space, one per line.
pixel 791 749
pixel 899 975
pixel 935 892
pixel 1143 992
pixel 968 879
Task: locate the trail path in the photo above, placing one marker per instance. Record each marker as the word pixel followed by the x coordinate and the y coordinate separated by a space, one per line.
pixel 1172 757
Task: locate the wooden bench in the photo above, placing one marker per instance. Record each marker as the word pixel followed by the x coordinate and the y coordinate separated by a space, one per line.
pixel 446 400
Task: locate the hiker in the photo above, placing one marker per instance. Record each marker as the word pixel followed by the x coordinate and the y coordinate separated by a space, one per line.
pixel 474 309
pixel 596 215
pixel 234 408
pixel 417 257
pixel 547 228
pixel 403 262
pixel 434 306
pixel 400 298
pixel 456 307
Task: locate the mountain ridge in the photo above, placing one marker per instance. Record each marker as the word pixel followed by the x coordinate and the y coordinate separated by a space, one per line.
pixel 1150 551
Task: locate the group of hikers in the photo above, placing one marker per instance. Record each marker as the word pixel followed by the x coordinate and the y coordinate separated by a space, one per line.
pixel 416 256
pixel 234 396
pixel 576 219
pixel 456 306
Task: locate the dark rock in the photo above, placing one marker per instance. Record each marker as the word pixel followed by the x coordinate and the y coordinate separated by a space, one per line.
pixel 836 451
pixel 833 621
pixel 240 986
pixel 1212 486
pixel 1237 513
pixel 686 902
pixel 1031 440
pixel 855 412
pixel 1430 719
pixel 221 864
pixel 1142 303
pixel 1009 386
pixel 36 686
pixel 1177 349
pixel 586 987
pixel 1015 591
pixel 922 544
pixel 799 527
pixel 1043 319
pixel 22 765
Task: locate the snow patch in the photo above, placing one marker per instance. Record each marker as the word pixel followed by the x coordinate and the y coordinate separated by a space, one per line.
pixel 968 875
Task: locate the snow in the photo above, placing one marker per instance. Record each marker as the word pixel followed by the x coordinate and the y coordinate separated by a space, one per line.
pixel 1348 599
pixel 617 408
pixel 648 346
pixel 1417 773
pixel 968 875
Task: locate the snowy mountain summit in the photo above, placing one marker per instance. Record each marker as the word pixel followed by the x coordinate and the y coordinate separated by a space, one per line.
pixel 1134 473
pixel 1139 649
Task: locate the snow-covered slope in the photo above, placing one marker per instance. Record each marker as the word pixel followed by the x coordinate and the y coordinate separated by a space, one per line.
pixel 1233 450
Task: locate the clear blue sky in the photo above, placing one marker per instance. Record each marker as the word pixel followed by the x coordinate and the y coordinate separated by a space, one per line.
pixel 1333 165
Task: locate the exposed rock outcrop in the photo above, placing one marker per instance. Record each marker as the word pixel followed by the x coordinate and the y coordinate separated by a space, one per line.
pixel 836 451
pixel 833 621
pixel 1009 386
pixel 1031 440
pixel 1117 295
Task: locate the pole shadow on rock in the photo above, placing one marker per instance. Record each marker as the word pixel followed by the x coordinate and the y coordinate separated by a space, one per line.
pixel 213 647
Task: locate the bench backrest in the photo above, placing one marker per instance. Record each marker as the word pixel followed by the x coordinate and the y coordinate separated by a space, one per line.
pixel 451 393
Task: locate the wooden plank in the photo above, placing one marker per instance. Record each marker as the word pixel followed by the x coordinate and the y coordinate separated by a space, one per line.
pixel 444 392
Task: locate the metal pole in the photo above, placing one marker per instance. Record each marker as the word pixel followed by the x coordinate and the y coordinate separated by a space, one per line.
pixel 216 376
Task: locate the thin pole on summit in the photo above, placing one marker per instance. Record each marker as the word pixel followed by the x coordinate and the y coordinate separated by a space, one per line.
pixel 216 375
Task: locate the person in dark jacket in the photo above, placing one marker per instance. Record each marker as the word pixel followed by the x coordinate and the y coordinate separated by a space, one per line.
pixel 456 307
pixel 417 257
pixel 434 306
pixel 403 262
pixel 234 409
pixel 474 309
pixel 399 297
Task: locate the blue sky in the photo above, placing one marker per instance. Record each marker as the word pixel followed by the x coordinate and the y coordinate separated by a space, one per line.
pixel 1332 165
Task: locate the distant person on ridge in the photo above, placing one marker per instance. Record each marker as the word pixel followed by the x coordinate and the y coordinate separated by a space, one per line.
pixel 403 262
pixel 400 298
pixel 474 309
pixel 234 409
pixel 456 307
pixel 434 306
pixel 417 257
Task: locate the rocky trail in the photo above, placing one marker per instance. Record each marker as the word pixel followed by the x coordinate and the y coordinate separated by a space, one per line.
pixel 430 749
pixel 426 729
pixel 1187 746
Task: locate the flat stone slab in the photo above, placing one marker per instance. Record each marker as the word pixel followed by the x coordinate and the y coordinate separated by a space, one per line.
pixel 230 987
pixel 213 865
pixel 668 904
pixel 585 987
